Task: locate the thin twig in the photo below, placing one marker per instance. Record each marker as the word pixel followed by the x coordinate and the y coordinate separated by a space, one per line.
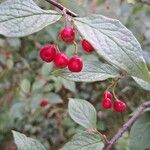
pixel 128 124
pixel 61 7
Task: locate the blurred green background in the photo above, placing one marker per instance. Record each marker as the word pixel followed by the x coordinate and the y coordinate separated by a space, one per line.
pixel 25 79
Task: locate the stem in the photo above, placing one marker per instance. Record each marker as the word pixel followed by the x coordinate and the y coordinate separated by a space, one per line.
pixel 61 7
pixel 75 45
pixel 128 124
pixel 65 16
pixel 112 82
pixel 57 48
pixel 113 90
pixel 94 130
pixel 104 138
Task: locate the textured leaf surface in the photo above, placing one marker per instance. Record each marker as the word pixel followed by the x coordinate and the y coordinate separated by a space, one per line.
pixel 23 17
pixel 17 111
pixel 145 85
pixel 92 71
pixel 85 141
pixel 70 85
pixel 54 98
pixel 26 143
pixel 25 85
pixel 37 85
pixel 140 133
pixel 82 112
pixel 115 43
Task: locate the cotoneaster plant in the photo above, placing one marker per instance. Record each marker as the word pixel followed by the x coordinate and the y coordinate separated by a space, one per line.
pixel 110 39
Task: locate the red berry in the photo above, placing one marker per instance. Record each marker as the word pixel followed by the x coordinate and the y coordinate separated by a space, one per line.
pixel 75 64
pixel 107 94
pixel 44 102
pixel 61 60
pixel 87 46
pixel 119 106
pixel 68 35
pixel 48 53
pixel 107 103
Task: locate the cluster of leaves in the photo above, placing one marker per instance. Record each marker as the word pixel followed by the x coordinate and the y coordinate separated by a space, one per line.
pixel 84 114
pixel 112 41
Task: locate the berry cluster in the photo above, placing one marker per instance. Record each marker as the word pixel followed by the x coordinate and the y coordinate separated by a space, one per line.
pixel 118 105
pixel 50 53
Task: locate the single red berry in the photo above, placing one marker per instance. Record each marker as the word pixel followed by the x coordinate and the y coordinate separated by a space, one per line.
pixel 48 52
pixel 61 60
pixel 107 94
pixel 44 102
pixel 119 106
pixel 75 64
pixel 87 46
pixel 107 103
pixel 67 35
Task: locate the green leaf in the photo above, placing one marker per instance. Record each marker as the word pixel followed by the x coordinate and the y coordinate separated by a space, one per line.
pixel 25 85
pixel 14 42
pixel 69 85
pixel 92 71
pixel 20 18
pixel 46 69
pixel 37 85
pixel 17 111
pixel 10 64
pixel 82 112
pixel 4 120
pixel 54 98
pixel 115 43
pixel 145 85
pixel 35 100
pixel 57 83
pixel 140 133
pixel 26 143
pixel 85 141
pixel 123 142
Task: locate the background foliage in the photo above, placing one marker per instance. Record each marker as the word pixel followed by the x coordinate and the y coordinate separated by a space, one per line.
pixel 25 80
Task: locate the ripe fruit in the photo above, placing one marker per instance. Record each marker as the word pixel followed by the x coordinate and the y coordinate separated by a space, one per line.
pixel 67 35
pixel 48 53
pixel 87 46
pixel 61 60
pixel 107 94
pixel 119 106
pixel 107 103
pixel 44 102
pixel 75 64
